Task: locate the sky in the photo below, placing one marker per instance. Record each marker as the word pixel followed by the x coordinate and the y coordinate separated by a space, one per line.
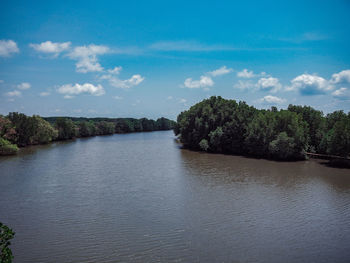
pixel 158 58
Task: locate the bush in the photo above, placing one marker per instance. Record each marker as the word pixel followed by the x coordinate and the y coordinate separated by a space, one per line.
pixel 7 148
pixel 283 147
pixel 204 145
pixel 6 234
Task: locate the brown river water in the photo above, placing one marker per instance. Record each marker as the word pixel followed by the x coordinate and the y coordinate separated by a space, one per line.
pixel 141 198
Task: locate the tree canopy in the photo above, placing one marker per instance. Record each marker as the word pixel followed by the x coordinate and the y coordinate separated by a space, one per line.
pixel 226 126
pixel 20 129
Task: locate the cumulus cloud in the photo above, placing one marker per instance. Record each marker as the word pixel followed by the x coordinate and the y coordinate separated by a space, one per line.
pixel 203 82
pixel 70 90
pixel 124 84
pixel 342 94
pixel 49 47
pixel 24 86
pixel 206 81
pixel 8 47
pixel 269 84
pixel 86 57
pixel 272 100
pixel 183 101
pixel 341 77
pixel 308 84
pixel 115 71
pixel 14 93
pixel 246 74
pixel 220 71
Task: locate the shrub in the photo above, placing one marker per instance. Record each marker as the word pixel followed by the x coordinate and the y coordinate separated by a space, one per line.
pixel 7 148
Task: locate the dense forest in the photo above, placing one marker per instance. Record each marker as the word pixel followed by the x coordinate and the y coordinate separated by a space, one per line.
pixel 19 130
pixel 226 126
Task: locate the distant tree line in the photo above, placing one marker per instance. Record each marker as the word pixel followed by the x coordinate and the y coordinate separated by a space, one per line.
pixel 17 129
pixel 226 126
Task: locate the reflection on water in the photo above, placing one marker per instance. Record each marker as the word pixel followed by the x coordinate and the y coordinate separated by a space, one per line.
pixel 140 198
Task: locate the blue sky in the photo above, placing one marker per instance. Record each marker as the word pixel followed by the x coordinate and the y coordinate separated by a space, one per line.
pixel 157 58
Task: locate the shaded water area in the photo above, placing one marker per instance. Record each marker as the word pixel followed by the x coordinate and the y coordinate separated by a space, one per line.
pixel 140 198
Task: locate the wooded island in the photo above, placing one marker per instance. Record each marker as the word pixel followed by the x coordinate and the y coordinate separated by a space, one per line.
pixel 225 126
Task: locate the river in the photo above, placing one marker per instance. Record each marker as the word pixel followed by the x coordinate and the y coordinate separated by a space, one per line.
pixel 141 198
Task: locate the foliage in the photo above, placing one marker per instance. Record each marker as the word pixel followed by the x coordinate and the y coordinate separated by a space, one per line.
pixel 86 128
pixel 283 147
pixel 6 234
pixel 7 130
pixel 66 129
pixel 17 128
pixel 220 125
pixel 203 144
pixel 7 148
pixel 31 130
pixel 104 127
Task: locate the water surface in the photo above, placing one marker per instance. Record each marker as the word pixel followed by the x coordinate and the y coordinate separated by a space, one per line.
pixel 140 198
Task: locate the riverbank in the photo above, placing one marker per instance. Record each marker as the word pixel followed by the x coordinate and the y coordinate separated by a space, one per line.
pixel 19 130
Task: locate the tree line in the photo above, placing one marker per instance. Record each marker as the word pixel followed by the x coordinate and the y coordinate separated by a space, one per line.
pixel 19 130
pixel 226 126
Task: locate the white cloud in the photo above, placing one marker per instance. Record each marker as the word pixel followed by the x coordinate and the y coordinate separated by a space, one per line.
pixel 269 84
pixel 24 85
pixel 70 90
pixel 249 74
pixel 7 47
pixel 203 82
pixel 1 81
pixel 115 71
pixel 14 93
pixel 169 98
pixel 206 81
pixel 118 98
pixel 245 74
pixel 44 94
pixel 272 100
pixel 342 93
pixel 220 71
pixel 310 85
pixel 182 101
pixel 119 83
pixel 124 84
pixel 341 77
pixel 86 57
pixel 49 47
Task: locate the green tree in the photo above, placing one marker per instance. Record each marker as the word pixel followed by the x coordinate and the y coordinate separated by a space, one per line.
pixel 7 148
pixel 216 139
pixel 6 234
pixel 283 147
pixel 44 132
pixel 338 138
pixel 204 145
pixel 105 127
pixel 86 128
pixel 66 128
